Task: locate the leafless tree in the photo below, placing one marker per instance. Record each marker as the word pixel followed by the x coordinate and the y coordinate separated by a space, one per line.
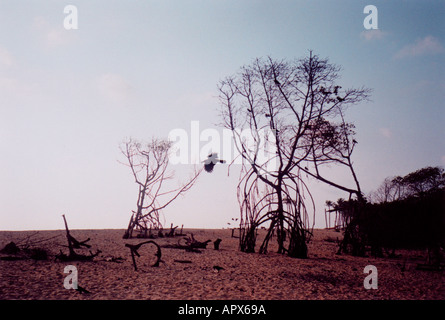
pixel 302 105
pixel 389 190
pixel 149 165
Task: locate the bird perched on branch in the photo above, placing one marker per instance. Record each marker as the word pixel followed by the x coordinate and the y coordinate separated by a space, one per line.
pixel 336 89
pixel 211 161
pixel 323 90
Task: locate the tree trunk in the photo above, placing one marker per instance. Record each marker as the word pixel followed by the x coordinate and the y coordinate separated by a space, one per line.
pixel 280 211
pixel 248 239
pixel 297 243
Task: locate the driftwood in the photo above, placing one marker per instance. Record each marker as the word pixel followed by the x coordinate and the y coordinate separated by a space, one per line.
pixel 180 234
pixel 28 242
pixel 25 249
pixel 190 244
pixel 172 231
pixel 10 248
pixel 16 253
pixel 134 252
pixel 76 257
pixel 147 233
pixel 74 244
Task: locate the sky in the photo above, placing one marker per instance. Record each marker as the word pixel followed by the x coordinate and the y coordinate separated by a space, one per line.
pixel 140 69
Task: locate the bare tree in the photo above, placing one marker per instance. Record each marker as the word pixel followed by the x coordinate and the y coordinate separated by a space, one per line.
pixel 390 190
pixel 149 165
pixel 298 102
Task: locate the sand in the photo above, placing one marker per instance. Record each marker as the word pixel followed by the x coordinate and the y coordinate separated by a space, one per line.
pixel 324 275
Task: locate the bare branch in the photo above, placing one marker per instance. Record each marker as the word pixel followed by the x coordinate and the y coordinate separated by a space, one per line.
pixel 149 165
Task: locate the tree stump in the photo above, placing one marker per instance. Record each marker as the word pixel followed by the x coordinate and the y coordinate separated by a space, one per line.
pixel 216 244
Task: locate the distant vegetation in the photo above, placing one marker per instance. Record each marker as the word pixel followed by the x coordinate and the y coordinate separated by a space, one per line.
pixel 404 212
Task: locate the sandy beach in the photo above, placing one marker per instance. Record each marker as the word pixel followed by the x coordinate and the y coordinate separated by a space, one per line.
pixel 193 276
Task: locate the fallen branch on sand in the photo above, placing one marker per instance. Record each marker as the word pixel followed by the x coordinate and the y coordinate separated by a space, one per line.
pixel 26 249
pixel 191 244
pixel 16 253
pixel 76 257
pixel 134 251
pixel 74 244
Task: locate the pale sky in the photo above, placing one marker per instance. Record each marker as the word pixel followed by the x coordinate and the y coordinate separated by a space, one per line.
pixel 144 68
